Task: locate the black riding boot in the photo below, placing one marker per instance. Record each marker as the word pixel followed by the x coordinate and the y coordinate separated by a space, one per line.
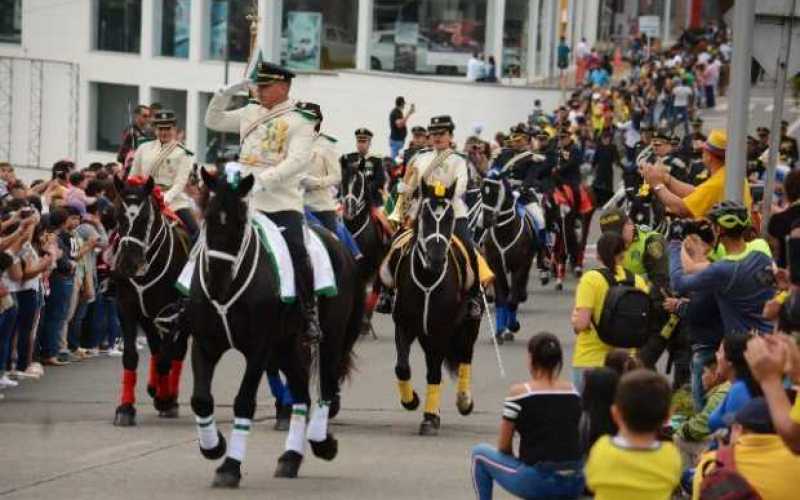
pixel 475 302
pixel 304 279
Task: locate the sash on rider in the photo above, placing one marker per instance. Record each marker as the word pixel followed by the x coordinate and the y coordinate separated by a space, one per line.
pixel 162 157
pixel 271 114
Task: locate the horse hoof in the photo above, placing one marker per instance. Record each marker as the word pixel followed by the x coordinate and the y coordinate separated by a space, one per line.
pixel 171 412
pixel 413 404
pixel 125 416
pixel 151 390
pixel 514 327
pixel 499 338
pixel 430 425
pixel 164 405
pixel 336 405
pixel 218 451
pixel 327 449
pixel 507 335
pixel 464 403
pixel 289 464
pixel 228 474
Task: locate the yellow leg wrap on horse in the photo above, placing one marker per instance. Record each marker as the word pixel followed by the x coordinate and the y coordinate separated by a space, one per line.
pixel 464 377
pixel 406 390
pixel 433 398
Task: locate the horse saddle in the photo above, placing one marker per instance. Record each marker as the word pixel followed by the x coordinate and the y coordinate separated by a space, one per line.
pixel 271 238
pixel 401 247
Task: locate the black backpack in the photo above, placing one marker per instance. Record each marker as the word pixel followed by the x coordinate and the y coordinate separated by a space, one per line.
pixel 625 320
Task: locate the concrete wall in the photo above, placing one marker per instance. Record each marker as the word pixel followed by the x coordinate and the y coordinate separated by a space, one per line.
pixel 349 99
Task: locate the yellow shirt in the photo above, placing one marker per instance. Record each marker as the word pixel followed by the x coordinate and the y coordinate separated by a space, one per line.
pixel 795 414
pixel 616 471
pixel 590 351
pixel 711 192
pixel 765 462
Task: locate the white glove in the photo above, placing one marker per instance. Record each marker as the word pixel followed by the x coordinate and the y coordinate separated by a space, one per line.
pixel 401 187
pixel 235 88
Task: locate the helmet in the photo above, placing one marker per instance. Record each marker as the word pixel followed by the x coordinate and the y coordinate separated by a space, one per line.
pixel 730 215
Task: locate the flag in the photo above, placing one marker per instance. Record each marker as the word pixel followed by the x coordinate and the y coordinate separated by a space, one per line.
pixel 252 68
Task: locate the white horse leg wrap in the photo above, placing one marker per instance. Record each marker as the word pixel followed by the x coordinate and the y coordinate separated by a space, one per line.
pixel 207 432
pixel 318 425
pixel 296 439
pixel 238 445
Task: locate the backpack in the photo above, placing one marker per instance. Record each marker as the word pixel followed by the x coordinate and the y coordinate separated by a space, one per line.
pixel 725 482
pixel 625 319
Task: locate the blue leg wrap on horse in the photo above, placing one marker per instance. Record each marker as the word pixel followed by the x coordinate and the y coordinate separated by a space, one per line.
pixel 348 240
pixel 500 318
pixel 279 390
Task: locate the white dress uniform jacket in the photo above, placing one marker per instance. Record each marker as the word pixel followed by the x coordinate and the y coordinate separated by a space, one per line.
pixel 325 174
pixel 170 166
pixel 275 148
pixel 453 170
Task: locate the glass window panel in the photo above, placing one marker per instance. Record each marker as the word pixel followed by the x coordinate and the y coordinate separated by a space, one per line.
pixel 515 38
pixel 112 113
pixel 175 15
pixel 427 36
pixel 216 144
pixel 319 34
pixel 11 21
pixel 119 25
pixel 229 22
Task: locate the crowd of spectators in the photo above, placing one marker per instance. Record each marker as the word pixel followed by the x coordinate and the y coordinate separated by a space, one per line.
pixel 57 302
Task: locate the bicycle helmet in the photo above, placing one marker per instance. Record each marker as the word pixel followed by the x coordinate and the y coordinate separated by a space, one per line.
pixel 730 215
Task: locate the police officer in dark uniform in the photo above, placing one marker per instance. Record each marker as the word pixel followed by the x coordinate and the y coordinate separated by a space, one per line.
pixel 370 164
pixel 693 143
pixel 646 255
pixel 664 153
pixel 419 142
pixel 137 133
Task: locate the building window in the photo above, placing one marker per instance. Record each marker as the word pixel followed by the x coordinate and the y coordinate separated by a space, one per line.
pixel 217 145
pixel 427 36
pixel 515 38
pixel 229 23
pixel 119 25
pixel 175 16
pixel 113 106
pixel 319 34
pixel 11 21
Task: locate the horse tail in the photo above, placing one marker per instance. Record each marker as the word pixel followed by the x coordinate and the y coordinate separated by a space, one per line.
pixel 352 332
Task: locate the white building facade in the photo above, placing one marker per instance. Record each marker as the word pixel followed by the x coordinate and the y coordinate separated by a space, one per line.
pixel 71 71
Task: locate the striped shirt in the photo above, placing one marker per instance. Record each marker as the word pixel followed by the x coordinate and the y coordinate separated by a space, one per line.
pixel 547 422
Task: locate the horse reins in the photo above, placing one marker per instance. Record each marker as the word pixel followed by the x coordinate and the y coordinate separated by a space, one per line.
pixel 419 246
pixel 147 245
pixel 358 201
pixel 205 254
pixel 499 212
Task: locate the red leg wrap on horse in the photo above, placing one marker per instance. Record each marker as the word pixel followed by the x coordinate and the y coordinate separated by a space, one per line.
pixel 152 376
pixel 175 378
pixel 128 387
pixel 162 389
pixel 372 300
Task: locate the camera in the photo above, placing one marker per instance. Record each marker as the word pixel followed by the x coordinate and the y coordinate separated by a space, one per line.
pixel 679 229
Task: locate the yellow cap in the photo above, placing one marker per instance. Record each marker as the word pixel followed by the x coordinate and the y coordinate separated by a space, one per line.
pixel 717 143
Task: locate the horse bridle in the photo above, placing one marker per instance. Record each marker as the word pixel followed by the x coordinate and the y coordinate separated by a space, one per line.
pixel 132 214
pixel 206 255
pixel 510 215
pixel 419 249
pixel 357 201
pixel 497 209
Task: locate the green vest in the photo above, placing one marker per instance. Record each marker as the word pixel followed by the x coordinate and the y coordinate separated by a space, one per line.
pixel 634 255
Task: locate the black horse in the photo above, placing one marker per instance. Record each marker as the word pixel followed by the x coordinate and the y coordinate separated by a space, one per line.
pixel 368 234
pixel 511 245
pixel 431 306
pixel 151 252
pixel 235 303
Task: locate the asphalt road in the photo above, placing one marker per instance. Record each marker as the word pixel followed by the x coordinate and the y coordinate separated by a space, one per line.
pixel 56 437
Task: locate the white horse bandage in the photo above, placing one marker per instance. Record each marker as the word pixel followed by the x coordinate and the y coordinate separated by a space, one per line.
pixel 207 432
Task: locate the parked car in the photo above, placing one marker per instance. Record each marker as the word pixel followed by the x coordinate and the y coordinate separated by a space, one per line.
pixel 383 55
